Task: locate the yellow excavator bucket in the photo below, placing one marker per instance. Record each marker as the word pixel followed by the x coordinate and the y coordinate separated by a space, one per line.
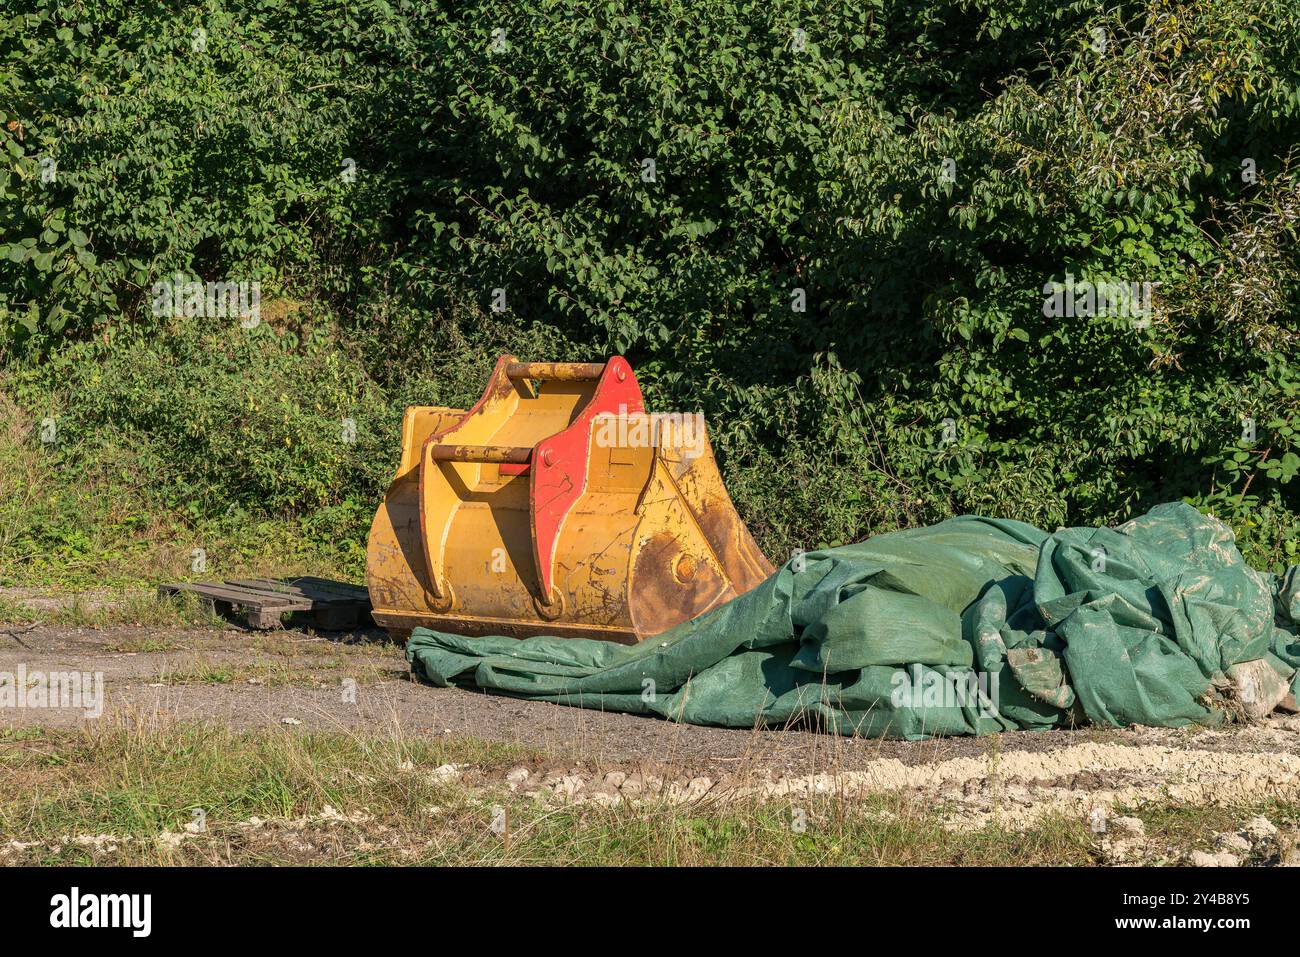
pixel 558 506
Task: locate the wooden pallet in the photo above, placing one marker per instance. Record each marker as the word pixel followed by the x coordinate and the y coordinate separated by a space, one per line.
pixel 335 606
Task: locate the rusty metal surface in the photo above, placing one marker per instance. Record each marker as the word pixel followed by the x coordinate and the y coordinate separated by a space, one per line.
pixel 556 371
pixel 649 540
pixel 513 454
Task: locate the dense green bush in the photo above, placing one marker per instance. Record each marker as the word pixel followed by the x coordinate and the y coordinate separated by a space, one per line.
pixel 915 174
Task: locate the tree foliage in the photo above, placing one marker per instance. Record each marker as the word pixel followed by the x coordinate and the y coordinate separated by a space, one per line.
pixel 675 180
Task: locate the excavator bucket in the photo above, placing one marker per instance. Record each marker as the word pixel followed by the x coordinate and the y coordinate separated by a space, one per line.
pixel 558 506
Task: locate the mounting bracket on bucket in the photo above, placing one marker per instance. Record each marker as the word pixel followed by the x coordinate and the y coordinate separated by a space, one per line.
pixel 556 465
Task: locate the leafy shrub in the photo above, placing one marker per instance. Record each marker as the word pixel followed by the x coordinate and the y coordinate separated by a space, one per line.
pixel 675 181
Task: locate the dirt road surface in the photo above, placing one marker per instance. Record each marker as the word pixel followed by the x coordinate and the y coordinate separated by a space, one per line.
pixel 299 682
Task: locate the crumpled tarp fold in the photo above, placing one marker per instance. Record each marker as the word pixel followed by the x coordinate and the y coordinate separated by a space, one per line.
pixel 970 626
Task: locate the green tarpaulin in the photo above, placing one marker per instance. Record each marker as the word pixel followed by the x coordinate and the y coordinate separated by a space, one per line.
pixel 970 626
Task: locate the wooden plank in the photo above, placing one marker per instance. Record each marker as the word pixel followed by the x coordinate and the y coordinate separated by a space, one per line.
pixel 304 599
pixel 279 599
pixel 335 605
pixel 261 610
pixel 235 596
pixel 285 599
pixel 273 587
pixel 325 592
pixel 311 584
pixel 266 584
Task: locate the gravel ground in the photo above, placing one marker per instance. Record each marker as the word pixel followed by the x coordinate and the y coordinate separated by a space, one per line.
pixel 299 680
pixel 295 681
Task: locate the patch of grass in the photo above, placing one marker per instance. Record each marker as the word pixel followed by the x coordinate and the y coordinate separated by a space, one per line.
pixel 1194 827
pixel 144 644
pixel 275 673
pixel 132 778
pixel 29 733
pixel 280 797
pixel 202 673
pixel 107 610
pixel 93 520
pixel 828 831
pixel 291 645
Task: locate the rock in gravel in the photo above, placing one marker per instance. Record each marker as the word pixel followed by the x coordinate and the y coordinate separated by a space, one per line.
pixel 569 785
pixel 1232 843
pixel 1290 854
pixel 447 772
pixel 1257 687
pixel 1132 851
pixel 1221 859
pixel 697 788
pixel 605 796
pixel 517 777
pixel 171 840
pixel 1259 829
pixel 1129 825
pixel 615 779
pixel 98 843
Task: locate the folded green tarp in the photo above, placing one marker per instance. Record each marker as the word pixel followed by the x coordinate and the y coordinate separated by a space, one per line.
pixel 970 626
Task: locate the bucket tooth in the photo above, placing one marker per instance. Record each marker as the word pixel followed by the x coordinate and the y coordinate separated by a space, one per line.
pixel 556 505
